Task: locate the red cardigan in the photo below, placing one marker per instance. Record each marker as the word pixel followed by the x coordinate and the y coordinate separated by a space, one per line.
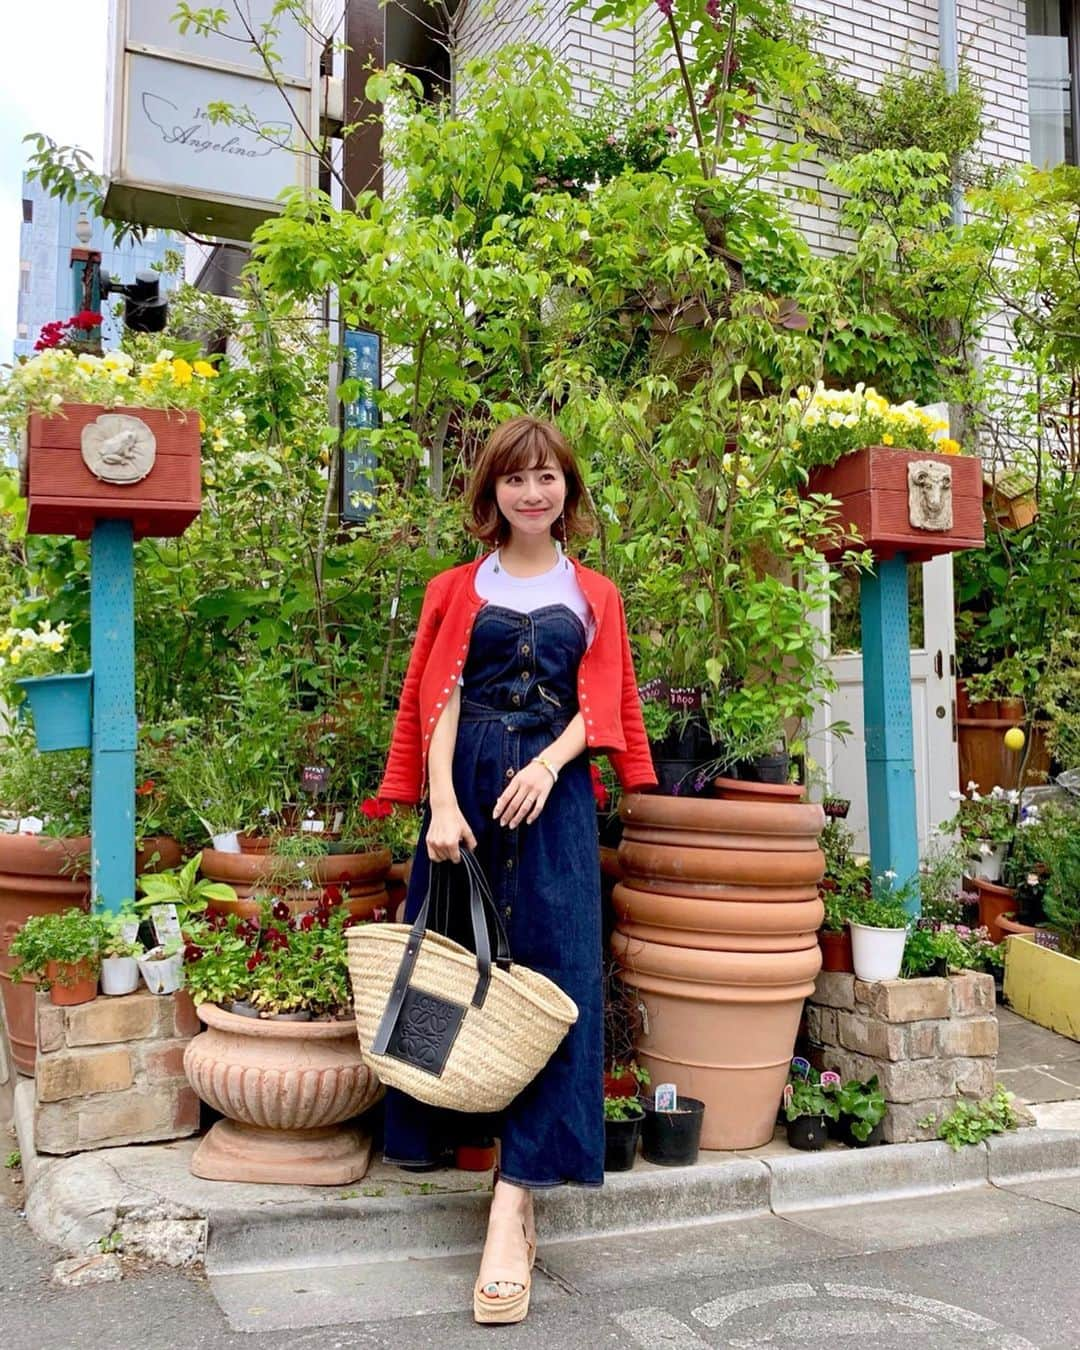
pixel 607 690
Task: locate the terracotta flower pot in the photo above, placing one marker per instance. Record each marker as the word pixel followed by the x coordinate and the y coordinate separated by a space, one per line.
pixel 994 901
pixel 1010 927
pixel 743 790
pixel 836 951
pixel 286 1089
pixel 251 874
pixel 71 984
pixel 38 875
pixel 718 917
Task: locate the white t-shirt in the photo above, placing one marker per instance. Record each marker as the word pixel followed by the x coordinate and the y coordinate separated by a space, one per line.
pixel 557 586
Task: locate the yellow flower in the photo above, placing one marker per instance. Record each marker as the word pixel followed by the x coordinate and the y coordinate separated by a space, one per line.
pixel 205 370
pixel 181 371
pixel 888 438
pixel 947 446
pixel 836 419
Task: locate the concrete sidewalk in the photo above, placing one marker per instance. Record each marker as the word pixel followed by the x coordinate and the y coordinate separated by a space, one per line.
pixel 147 1194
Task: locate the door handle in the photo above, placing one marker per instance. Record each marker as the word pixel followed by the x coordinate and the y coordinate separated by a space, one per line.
pixel 940 710
pixel 939 667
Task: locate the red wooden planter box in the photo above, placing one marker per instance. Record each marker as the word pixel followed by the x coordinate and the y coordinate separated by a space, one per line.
pixel 65 497
pixel 871 487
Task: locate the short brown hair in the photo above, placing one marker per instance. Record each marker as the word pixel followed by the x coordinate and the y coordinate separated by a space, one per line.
pixel 523 442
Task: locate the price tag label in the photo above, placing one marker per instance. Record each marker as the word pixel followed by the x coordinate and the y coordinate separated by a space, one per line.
pixel 652 690
pixel 314 778
pixel 800 1066
pixel 830 1079
pixel 666 1097
pixel 789 1092
pixel 165 924
pixel 684 698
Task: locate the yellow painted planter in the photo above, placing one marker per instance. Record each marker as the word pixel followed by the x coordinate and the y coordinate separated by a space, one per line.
pixel 1042 985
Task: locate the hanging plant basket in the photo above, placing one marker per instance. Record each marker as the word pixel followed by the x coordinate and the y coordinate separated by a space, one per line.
pixel 61 707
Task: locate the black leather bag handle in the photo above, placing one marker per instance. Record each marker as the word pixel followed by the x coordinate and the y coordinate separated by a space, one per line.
pixel 481 907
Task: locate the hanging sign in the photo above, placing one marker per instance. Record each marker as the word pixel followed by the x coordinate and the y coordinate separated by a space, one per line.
pixel 362 362
pixel 168 162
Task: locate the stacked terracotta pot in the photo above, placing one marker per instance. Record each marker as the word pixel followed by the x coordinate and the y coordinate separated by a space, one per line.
pixel 718 912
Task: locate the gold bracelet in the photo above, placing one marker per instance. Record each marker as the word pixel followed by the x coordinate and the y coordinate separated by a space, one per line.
pixel 539 759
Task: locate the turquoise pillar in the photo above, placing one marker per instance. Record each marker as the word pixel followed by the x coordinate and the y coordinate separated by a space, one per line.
pixel 890 764
pixel 112 651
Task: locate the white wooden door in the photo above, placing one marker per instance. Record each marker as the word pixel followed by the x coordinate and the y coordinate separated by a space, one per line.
pixel 933 657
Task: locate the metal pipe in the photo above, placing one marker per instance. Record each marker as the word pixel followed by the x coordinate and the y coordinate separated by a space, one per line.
pixel 949 60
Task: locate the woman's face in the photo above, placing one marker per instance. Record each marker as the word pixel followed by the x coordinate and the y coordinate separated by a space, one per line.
pixel 532 499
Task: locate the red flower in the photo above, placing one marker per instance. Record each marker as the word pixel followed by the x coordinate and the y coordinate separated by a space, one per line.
pixel 307 922
pixel 332 895
pixel 52 335
pixel 280 910
pixel 276 939
pixel 145 788
pixel 192 952
pixel 599 788
pixel 375 809
pixel 86 318
pixel 256 960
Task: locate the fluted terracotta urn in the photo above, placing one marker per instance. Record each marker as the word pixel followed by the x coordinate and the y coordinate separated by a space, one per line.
pixel 718 913
pixel 290 1092
pixel 300 882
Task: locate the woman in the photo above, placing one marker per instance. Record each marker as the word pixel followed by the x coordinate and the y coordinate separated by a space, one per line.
pixel 521 668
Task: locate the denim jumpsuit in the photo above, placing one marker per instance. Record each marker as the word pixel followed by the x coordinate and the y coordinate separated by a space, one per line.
pixel 519 693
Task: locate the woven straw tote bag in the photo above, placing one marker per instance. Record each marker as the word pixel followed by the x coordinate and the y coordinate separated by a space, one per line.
pixel 451 1027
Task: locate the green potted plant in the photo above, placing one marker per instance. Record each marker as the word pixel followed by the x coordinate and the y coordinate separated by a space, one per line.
pixel 63 952
pixel 182 889
pixel 290 1060
pixel 120 951
pixel 808 1108
pixel 879 927
pixel 622 1126
pixel 861 1107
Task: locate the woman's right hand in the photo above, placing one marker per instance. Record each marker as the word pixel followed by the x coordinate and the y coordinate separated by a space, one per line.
pixel 447 831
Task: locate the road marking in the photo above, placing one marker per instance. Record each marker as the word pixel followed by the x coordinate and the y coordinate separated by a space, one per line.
pixel 654 1328
pixel 946 1312
pixel 716 1313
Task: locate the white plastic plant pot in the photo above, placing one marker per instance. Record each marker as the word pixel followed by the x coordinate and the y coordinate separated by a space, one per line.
pixel 878 952
pixel 228 842
pixel 987 866
pixel 119 974
pixel 163 976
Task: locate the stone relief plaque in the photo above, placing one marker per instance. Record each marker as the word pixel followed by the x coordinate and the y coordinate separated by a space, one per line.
pixel 930 505
pixel 118 448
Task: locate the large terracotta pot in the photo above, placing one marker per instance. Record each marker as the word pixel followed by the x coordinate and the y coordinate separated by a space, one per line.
pixel 38 875
pixel 285 1089
pixel 718 917
pixel 363 875
pixel 994 902
pixel 41 875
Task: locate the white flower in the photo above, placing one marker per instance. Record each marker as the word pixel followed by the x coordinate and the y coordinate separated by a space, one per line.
pixel 1032 879
pixel 985 849
pixel 973 786
pixel 889 874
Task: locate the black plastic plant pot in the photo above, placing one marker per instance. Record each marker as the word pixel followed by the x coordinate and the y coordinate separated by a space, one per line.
pixel 678 778
pixel 620 1143
pixel 808 1132
pixel 672 1138
pixel 875 1137
pixel 766 768
pixel 939 967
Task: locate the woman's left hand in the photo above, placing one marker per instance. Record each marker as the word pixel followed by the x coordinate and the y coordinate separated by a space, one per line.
pixel 524 796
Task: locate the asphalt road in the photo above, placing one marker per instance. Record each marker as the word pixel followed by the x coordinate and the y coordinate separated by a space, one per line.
pixel 983 1268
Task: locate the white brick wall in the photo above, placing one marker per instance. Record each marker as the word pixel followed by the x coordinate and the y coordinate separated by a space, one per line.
pixel 863 39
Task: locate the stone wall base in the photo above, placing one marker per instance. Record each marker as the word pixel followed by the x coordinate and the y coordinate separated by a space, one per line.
pixel 931 1042
pixel 111 1072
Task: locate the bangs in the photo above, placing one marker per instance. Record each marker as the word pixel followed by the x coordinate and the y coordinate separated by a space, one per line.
pixel 529 449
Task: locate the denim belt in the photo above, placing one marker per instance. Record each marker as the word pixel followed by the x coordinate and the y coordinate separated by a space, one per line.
pixel 526 719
